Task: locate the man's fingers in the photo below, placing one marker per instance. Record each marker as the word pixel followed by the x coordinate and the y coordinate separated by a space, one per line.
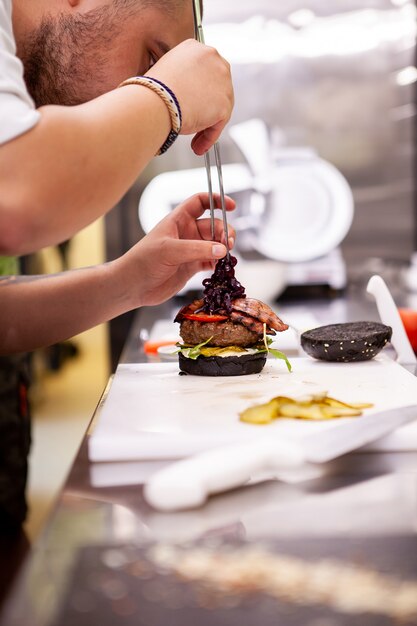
pixel 204 228
pixel 195 206
pixel 201 202
pixel 205 139
pixel 178 251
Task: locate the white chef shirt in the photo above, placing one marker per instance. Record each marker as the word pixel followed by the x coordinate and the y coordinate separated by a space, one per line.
pixel 17 110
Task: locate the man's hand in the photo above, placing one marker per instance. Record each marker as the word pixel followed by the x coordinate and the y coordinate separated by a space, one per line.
pixel 201 80
pixel 39 310
pixel 88 156
pixel 178 247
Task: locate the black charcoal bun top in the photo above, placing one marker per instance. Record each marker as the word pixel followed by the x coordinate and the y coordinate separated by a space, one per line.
pixel 223 366
pixel 354 341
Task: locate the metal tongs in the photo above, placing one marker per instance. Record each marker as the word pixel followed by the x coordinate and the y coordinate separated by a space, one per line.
pixel 199 35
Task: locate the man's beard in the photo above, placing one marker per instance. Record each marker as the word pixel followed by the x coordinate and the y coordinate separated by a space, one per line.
pixel 65 58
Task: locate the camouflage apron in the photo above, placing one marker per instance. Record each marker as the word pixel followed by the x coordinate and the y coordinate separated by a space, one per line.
pixel 14 429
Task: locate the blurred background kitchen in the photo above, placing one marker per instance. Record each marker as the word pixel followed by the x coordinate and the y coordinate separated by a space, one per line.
pixel 320 157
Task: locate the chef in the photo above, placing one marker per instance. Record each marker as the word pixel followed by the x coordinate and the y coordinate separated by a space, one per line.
pixel 90 91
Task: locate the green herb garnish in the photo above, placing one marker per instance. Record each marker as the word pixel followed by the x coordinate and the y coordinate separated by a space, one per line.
pixel 276 353
pixel 195 351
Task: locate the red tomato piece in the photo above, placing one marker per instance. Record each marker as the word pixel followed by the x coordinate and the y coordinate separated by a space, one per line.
pixel 205 317
pixel 409 319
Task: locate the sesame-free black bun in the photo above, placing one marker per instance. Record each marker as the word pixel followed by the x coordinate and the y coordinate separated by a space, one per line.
pixel 223 365
pixel 354 341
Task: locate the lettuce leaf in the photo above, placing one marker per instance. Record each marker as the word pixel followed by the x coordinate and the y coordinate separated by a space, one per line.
pixel 276 353
pixel 193 351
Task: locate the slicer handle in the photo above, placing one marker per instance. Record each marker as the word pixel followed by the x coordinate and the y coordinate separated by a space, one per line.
pixel 188 483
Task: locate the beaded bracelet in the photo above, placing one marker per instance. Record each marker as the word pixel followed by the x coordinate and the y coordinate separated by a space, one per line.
pixel 170 100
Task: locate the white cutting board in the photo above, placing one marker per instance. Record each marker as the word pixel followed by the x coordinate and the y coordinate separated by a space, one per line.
pixel 153 413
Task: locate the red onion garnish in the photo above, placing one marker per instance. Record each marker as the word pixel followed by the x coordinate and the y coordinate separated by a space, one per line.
pixel 222 287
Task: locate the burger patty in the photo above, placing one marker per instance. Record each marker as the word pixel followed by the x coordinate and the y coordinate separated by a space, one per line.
pixel 223 333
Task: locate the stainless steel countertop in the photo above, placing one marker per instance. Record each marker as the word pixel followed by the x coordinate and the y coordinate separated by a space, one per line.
pixel 363 510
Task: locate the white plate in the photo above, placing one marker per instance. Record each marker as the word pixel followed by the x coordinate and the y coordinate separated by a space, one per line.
pixel 310 212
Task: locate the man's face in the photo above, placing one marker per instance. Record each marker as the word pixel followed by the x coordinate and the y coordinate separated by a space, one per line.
pixel 70 58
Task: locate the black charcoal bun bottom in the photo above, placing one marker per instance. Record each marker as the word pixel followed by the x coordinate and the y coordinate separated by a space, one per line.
pixel 223 366
pixel 354 341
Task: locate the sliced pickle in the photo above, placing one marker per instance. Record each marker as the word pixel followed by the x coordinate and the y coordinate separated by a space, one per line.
pixel 261 413
pixel 280 400
pixel 315 407
pixel 338 403
pixel 361 405
pixel 341 411
pixel 304 411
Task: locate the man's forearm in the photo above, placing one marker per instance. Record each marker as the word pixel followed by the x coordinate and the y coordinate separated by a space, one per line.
pixel 40 310
pixel 34 310
pixel 75 165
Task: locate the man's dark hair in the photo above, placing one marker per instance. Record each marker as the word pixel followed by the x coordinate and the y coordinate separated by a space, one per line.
pixel 172 6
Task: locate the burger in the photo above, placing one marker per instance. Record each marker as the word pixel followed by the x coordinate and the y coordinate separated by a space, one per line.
pixel 226 333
